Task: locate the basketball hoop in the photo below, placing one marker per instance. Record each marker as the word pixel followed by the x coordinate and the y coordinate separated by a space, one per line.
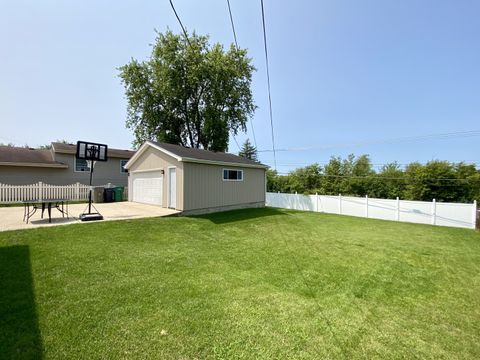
pixel 91 152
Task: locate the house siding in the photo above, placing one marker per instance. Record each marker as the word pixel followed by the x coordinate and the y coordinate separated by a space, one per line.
pixel 204 187
pixel 153 159
pixel 104 172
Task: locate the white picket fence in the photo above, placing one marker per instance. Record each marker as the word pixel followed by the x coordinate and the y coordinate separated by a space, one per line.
pixel 40 190
pixel 422 212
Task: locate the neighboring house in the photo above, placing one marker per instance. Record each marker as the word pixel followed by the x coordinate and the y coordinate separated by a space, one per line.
pixel 58 166
pixel 194 180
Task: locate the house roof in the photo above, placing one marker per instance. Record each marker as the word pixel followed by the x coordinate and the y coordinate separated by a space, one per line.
pixel 62 148
pixel 19 156
pixel 186 154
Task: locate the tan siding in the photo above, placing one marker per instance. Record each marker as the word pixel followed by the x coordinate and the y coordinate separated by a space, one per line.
pixel 205 188
pixel 153 159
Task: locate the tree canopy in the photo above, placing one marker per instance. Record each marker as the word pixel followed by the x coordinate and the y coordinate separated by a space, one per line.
pixel 189 92
pixel 440 180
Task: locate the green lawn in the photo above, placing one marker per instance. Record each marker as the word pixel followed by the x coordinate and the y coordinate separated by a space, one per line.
pixel 252 284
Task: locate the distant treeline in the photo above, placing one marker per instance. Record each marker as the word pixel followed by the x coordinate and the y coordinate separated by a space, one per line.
pixel 440 180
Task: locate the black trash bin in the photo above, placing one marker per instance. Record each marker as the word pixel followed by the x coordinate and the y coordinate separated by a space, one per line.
pixel 109 195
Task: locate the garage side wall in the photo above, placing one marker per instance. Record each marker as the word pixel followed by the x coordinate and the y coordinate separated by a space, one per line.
pixel 205 190
pixel 154 160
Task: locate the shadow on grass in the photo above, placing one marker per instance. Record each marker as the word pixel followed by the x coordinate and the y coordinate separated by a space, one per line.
pixel 240 215
pixel 55 221
pixel 19 332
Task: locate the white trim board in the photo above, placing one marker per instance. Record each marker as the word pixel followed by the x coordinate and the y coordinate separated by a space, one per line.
pixel 146 170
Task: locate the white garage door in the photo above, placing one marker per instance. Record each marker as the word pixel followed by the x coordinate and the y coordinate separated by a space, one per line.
pixel 147 187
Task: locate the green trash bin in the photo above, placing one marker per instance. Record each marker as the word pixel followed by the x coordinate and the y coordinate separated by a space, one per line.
pixel 118 191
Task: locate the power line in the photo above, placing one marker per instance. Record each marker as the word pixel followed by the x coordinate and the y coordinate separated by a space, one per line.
pixel 450 135
pixel 268 84
pixel 180 22
pixel 379 177
pixel 236 44
pixel 253 132
pixel 467 162
pixel 231 21
pixel 236 142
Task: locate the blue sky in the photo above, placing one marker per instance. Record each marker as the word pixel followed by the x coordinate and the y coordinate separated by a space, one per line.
pixel 341 71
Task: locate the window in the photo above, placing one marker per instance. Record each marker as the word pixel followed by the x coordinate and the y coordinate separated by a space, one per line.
pixel 232 175
pixel 81 165
pixel 122 166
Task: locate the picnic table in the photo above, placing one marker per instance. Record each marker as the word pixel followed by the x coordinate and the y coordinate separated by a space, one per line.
pixel 30 207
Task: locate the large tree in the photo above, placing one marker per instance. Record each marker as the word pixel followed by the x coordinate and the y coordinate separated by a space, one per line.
pixel 189 92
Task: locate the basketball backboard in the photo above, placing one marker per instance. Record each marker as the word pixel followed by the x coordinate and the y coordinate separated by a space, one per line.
pixel 91 151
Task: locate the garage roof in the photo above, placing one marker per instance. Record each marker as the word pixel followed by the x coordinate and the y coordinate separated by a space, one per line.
pixel 186 154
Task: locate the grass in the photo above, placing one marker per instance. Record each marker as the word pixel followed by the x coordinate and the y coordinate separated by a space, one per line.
pixel 263 284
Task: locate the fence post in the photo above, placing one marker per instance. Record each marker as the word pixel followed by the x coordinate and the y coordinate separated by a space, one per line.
pixel 77 191
pixel 40 190
pixel 366 206
pixel 434 212
pixel 340 203
pixel 316 201
pixel 474 215
pixel 398 208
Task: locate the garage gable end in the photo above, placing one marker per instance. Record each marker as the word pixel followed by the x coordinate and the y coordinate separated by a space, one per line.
pixel 149 181
pixel 148 147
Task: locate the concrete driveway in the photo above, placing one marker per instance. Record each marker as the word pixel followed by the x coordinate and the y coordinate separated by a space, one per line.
pixel 11 218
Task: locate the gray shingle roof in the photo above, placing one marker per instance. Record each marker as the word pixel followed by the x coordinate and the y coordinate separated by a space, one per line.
pixel 72 149
pixel 39 157
pixel 206 155
pixel 11 154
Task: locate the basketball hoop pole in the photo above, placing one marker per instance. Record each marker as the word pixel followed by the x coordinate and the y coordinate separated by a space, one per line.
pixel 91 152
pixel 90 192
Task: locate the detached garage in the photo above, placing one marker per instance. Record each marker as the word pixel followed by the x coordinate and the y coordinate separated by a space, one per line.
pixel 194 181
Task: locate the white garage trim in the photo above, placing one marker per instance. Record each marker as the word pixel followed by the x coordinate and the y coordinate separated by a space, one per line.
pixel 147 170
pixel 172 187
pixel 147 187
pixel 144 147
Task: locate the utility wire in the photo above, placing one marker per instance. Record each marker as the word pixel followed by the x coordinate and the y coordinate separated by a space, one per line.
pixel 268 84
pixel 233 26
pixel 450 135
pixel 253 133
pixel 236 142
pixel 379 177
pixel 180 22
pixel 378 165
pixel 236 44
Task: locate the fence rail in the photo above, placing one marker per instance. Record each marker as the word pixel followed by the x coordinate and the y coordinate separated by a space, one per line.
pixel 422 212
pixel 40 190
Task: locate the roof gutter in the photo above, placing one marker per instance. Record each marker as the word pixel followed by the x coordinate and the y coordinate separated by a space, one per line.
pixel 43 165
pixel 223 163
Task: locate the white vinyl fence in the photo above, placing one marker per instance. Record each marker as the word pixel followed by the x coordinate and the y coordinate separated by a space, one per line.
pixel 40 190
pixel 422 212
